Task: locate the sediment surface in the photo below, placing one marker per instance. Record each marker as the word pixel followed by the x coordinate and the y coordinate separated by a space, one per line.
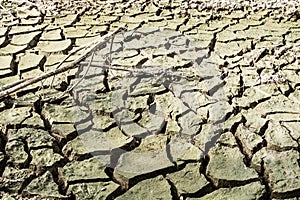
pixel 187 100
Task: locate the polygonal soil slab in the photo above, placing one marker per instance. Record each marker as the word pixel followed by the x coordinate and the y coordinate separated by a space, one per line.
pixel 131 62
pixel 75 149
pixel 28 38
pixel 3 31
pixel 15 115
pixel 277 104
pixel 6 63
pixel 77 171
pixel 28 11
pixel 98 190
pixel 3 40
pixel 15 178
pixel 53 114
pixel 27 100
pixel 282 170
pixel 181 149
pixel 293 128
pixel 30 74
pixel 26 29
pixel 66 20
pixel 189 179
pixel 127 125
pixel 233 170
pixel 72 32
pixel 86 40
pixel 54 46
pixel 30 61
pixel 145 87
pixel 279 138
pixel 31 21
pixel 249 139
pixel 16 154
pixel 136 163
pixel 232 48
pixel 247 192
pixel 155 188
pixel 65 130
pixel 54 34
pixel 45 157
pixel 257 93
pixel 34 137
pixel 92 141
pixel 103 141
pixel 152 122
pixel 11 49
pixel 44 186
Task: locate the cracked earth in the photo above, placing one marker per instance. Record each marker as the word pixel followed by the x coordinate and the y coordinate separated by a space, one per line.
pixel 187 100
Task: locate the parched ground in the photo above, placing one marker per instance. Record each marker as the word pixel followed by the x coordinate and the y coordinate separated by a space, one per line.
pixel 183 100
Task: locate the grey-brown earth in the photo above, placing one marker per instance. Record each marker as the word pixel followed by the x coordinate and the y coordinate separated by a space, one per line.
pixel 192 100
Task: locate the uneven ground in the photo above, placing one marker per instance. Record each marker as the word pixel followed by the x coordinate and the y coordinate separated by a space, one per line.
pixel 195 100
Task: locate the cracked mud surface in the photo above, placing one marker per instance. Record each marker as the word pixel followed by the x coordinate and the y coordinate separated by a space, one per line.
pixel 192 100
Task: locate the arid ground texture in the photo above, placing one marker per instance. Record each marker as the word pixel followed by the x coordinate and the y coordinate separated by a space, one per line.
pixel 148 100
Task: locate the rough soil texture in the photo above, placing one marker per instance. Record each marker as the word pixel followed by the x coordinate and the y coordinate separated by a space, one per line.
pixel 192 100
